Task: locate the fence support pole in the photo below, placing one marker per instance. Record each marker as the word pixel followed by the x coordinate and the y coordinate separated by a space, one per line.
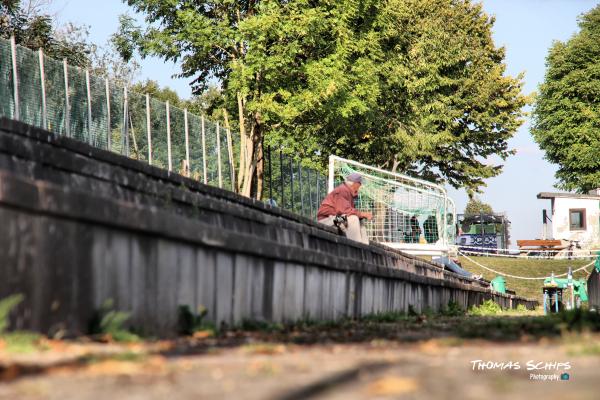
pixel 310 202
pixel 204 153
pixel 169 137
pixel 149 129
pixel 219 156
pixel 187 142
pixel 67 103
pixel 292 181
pixel 318 190
pixel 13 51
pixel 125 129
pixel 281 179
pixel 331 185
pixel 89 106
pixel 270 175
pixel 43 85
pixel 301 192
pixel 108 130
pixel 231 163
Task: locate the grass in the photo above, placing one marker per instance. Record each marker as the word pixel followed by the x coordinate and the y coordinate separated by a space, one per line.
pixel 17 341
pixel 23 342
pixel 524 267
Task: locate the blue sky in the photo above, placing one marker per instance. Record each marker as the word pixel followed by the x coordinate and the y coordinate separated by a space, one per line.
pixel 526 28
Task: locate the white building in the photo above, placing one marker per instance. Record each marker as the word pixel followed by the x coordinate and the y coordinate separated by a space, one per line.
pixel 575 217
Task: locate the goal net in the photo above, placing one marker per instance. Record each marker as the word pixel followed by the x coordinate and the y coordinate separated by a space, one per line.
pixel 409 214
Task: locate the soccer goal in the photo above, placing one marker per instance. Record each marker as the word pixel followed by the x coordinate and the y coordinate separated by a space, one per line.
pixel 409 214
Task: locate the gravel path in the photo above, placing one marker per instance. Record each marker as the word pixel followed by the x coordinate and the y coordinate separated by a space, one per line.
pixel 435 368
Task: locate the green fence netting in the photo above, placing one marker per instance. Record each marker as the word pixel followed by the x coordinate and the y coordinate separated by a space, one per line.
pixel 94 110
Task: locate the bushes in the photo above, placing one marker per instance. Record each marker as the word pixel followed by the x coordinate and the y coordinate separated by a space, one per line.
pixel 488 307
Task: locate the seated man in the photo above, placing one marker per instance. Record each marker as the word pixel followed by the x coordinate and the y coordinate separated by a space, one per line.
pixel 340 202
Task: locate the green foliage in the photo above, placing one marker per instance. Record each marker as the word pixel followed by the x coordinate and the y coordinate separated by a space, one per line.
pixel 6 306
pixel 388 316
pixel 34 29
pixel 521 308
pixel 111 324
pixel 18 341
pixel 475 207
pixel 411 311
pixel 567 113
pixel 488 307
pixel 453 309
pixel 188 322
pixel 262 326
pixel 416 86
pixel 23 342
pixel 514 327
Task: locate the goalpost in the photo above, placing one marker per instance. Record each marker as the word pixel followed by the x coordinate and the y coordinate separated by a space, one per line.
pixel 409 214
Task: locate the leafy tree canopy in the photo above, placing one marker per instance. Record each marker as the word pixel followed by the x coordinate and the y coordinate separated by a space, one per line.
pixel 567 111
pixel 32 28
pixel 475 207
pixel 412 85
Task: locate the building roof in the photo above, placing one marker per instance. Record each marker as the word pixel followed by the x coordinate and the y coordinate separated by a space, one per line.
pixel 550 195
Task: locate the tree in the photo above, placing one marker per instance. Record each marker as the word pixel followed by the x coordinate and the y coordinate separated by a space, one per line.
pixel 106 62
pixel 32 28
pixel 475 207
pixel 206 37
pixel 566 116
pixel 412 85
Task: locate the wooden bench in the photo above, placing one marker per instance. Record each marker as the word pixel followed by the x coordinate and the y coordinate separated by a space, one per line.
pixel 527 246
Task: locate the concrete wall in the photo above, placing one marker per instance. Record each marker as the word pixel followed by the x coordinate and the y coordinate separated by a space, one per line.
pixel 80 225
pixel 560 220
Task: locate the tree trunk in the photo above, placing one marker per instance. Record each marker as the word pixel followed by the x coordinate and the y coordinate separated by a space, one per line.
pixel 243 140
pixel 230 150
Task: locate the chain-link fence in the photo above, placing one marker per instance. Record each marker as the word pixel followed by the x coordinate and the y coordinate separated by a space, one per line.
pixel 70 101
pixel 289 185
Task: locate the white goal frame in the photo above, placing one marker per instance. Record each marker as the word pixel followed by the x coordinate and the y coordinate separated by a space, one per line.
pixel 443 246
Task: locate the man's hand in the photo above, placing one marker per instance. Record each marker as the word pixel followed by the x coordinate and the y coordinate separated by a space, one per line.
pixel 366 215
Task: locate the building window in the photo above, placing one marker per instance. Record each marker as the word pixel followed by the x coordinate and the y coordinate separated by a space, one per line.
pixel 577 219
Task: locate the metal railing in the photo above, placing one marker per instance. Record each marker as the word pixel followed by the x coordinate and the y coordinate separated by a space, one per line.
pixel 70 101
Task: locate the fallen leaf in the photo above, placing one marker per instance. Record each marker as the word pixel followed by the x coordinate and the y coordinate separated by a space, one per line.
pixel 390 385
pixel 202 334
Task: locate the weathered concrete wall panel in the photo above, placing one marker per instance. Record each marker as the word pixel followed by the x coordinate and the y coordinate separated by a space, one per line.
pixel 81 226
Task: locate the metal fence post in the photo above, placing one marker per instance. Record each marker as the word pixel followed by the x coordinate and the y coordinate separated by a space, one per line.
pixel 125 129
pixel 204 153
pixel 43 85
pixel 301 192
pixel 270 175
pixel 108 130
pixel 292 181
pixel 149 129
pixel 219 156
pixel 231 163
pixel 13 51
pixel 187 142
pixel 169 137
pixel 281 178
pixel 310 202
pixel 89 105
pixel 67 104
pixel 331 183
pixel 318 191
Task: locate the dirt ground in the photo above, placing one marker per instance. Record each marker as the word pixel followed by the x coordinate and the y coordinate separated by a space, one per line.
pixel 383 360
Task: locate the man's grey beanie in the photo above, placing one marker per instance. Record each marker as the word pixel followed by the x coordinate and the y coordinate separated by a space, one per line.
pixel 354 177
